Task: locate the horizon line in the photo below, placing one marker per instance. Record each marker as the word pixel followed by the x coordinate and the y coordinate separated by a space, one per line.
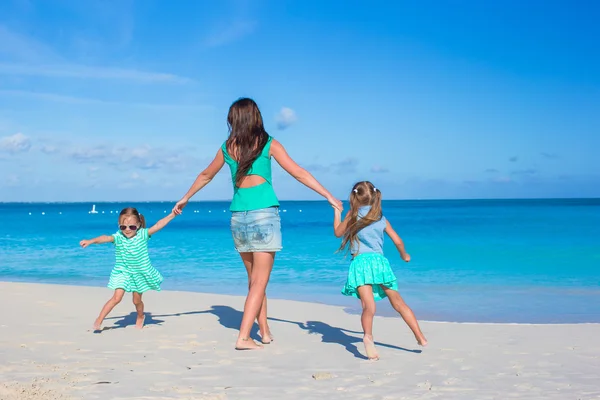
pixel 304 200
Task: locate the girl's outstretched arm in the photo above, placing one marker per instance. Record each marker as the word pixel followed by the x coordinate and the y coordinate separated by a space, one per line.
pixel 202 180
pixel 303 176
pixel 339 226
pixel 97 240
pixel 397 241
pixel 161 224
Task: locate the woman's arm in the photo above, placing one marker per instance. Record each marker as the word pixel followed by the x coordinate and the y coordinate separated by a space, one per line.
pixel 303 176
pixel 202 180
pixel 97 240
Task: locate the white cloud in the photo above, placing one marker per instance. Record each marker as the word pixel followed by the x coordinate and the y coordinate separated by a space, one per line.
pixel 33 58
pixel 345 166
pixel 85 100
pixel 230 32
pixel 49 149
pixel 142 157
pixel 89 72
pixel 378 169
pixel 285 118
pixel 12 180
pixel 135 179
pixel 92 172
pixel 549 156
pixel 24 48
pixel 17 143
pixel 317 168
pixel 524 172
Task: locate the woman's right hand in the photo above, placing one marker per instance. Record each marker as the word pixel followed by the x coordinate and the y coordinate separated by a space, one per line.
pixel 178 209
pixel 335 203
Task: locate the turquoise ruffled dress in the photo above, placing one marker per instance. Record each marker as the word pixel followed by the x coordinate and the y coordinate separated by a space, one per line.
pixel 369 266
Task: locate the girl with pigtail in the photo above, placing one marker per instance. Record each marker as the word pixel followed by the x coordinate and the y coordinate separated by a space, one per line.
pixel 370 277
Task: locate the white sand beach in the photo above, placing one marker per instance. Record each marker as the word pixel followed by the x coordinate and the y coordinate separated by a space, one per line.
pixel 47 351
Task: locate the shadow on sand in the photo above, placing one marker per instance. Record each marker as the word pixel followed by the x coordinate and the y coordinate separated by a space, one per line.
pixel 231 318
pixel 128 320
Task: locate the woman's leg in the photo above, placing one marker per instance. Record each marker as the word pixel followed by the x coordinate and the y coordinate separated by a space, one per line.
pixel 263 324
pixel 262 264
pixel 407 315
pixel 368 304
pixel 108 307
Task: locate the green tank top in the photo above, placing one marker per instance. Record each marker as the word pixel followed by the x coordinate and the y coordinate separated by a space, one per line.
pixel 255 197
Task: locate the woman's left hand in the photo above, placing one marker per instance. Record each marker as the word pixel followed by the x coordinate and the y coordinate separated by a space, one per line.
pixel 178 209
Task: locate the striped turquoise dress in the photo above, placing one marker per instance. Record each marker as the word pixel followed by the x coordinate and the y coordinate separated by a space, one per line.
pixel 133 271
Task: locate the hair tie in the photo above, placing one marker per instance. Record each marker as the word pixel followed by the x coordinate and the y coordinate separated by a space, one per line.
pixel 374 189
pixel 355 190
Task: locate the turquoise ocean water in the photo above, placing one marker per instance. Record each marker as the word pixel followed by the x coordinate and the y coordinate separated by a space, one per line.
pixel 532 261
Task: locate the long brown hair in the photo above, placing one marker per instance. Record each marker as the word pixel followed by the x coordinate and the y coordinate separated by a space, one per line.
pixel 247 135
pixel 363 194
pixel 130 211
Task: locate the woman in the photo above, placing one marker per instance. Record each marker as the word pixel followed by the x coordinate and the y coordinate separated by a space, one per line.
pixel 255 222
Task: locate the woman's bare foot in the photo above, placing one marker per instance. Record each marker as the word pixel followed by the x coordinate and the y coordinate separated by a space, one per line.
pixel 246 344
pixel 421 340
pixel 266 338
pixel 139 322
pixel 370 348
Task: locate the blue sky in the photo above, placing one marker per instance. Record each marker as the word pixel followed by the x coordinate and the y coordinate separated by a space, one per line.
pixel 127 100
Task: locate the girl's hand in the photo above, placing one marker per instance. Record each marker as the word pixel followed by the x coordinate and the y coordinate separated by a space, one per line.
pixel 335 203
pixel 178 209
pixel 405 257
pixel 85 243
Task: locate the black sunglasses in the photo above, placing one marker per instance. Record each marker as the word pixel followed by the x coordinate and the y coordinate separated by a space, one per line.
pixel 131 227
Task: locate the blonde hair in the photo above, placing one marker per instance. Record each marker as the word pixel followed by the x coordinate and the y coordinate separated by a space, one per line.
pixel 132 212
pixel 363 194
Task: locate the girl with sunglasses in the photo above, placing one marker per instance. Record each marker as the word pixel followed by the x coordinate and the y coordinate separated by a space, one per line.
pixel 133 272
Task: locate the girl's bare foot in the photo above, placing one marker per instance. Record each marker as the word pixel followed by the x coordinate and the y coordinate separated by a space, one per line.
pixel 139 322
pixel 246 344
pixel 421 341
pixel 370 348
pixel 97 326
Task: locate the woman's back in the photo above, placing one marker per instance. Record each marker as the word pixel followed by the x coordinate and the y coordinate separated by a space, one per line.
pixel 256 191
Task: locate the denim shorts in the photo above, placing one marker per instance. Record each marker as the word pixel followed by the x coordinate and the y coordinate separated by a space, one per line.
pixel 256 230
